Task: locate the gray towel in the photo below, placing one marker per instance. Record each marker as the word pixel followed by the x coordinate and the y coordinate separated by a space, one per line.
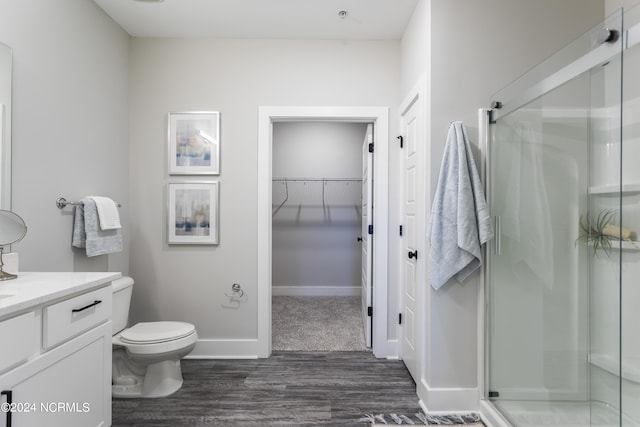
pixel 460 221
pixel 87 233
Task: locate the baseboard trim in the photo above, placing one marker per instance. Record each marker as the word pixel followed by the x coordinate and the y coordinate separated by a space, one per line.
pixel 225 349
pixel 387 350
pixel 316 291
pixel 448 400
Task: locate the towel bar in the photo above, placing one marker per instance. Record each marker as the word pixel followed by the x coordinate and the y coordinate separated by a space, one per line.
pixel 61 203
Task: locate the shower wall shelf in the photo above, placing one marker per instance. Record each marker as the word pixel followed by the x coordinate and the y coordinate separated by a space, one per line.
pixel 629 246
pixel 625 245
pixel 615 189
pixel 629 368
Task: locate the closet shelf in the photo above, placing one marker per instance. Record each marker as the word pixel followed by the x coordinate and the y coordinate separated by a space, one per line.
pixel 613 189
pixel 302 179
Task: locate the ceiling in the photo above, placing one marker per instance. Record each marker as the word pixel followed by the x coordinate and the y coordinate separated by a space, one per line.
pixel 290 19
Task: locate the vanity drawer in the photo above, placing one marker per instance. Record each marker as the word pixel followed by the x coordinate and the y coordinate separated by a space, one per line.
pixel 71 317
pixel 17 335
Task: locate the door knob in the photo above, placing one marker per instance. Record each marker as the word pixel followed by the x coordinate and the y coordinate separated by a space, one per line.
pixel 413 254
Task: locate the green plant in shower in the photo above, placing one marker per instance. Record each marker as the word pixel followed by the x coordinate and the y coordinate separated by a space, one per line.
pixel 593 231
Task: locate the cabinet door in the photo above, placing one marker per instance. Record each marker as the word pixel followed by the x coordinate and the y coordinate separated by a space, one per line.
pixel 66 387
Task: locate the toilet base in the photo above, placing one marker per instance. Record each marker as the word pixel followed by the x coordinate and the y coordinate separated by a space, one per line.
pixel 126 391
pixel 160 379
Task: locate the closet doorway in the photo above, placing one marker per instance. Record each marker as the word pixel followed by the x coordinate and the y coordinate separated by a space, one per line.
pixel 325 196
pixel 321 255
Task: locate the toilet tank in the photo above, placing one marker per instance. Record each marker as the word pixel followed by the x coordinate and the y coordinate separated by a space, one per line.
pixel 122 289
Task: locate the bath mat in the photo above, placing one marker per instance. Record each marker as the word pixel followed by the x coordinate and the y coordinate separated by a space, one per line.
pixel 421 419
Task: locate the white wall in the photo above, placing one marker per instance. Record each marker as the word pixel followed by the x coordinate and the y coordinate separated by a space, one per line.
pixel 476 48
pixel 612 5
pixel 234 77
pixel 5 126
pixel 416 46
pixel 70 118
pixel 315 247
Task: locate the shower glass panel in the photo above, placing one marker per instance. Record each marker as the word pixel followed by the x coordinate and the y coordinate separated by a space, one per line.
pixel 630 213
pixel 539 289
pixel 563 346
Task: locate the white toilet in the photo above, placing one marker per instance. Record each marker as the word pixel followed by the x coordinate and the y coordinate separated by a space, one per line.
pixel 146 356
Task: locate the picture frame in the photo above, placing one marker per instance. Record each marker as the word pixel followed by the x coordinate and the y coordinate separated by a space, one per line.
pixel 194 143
pixel 192 212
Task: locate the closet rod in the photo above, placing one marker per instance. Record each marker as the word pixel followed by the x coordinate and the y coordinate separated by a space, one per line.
pixel 317 179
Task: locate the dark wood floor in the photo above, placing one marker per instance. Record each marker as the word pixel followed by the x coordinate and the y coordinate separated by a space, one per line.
pixel 289 388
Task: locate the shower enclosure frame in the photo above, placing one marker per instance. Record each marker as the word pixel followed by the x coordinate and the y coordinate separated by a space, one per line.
pixel 611 45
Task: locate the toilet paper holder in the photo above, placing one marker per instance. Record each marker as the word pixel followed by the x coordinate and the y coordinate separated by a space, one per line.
pixel 237 293
pixel 235 297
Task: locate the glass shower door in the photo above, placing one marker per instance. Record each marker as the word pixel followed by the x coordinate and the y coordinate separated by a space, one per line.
pixel 553 286
pixel 538 274
pixel 629 365
pixel 604 250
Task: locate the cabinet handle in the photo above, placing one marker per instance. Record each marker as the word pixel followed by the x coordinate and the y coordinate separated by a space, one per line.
pixel 77 310
pixel 9 395
pixel 413 254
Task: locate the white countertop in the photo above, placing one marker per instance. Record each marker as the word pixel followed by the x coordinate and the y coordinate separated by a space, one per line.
pixel 33 289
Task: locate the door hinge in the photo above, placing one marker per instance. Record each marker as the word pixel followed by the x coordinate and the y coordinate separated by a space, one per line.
pixel 399 318
pixel 400 230
pixel 370 229
pixel 369 311
pixel 494 394
pixel 401 141
pixel 371 147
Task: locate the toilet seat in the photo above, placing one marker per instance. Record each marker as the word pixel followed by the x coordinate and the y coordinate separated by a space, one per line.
pixel 156 332
pixel 156 338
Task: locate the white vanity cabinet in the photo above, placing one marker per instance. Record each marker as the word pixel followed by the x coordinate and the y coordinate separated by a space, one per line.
pixel 58 371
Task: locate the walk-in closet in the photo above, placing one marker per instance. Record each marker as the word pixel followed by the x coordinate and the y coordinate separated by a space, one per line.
pixel 317 236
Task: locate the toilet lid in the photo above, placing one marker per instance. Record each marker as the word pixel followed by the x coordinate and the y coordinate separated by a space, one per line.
pixel 155 332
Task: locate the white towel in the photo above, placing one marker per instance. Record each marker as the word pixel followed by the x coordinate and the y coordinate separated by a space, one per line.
pixel 460 221
pixel 108 215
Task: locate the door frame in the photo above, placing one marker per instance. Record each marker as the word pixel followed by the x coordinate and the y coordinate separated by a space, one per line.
pixel 366 247
pixel 379 116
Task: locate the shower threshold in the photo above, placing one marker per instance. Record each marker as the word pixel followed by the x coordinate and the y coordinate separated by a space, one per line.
pixel 566 414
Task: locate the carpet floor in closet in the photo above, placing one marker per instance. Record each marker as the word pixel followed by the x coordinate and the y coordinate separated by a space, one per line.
pixel 317 324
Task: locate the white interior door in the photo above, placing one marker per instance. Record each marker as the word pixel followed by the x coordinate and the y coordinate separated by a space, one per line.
pixel 367 241
pixel 411 229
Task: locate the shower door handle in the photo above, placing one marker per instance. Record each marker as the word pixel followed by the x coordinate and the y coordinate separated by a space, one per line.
pixel 497 245
pixel 9 403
